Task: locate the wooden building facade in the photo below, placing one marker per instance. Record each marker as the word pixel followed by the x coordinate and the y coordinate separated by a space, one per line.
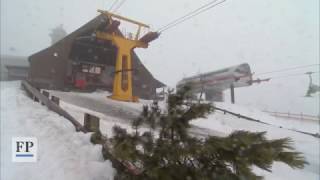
pixel 81 61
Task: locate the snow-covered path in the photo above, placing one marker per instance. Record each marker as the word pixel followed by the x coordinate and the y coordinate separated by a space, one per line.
pixel 100 103
pixel 63 154
pixel 110 111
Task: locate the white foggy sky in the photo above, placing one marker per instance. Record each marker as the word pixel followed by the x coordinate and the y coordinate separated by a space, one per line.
pixel 267 34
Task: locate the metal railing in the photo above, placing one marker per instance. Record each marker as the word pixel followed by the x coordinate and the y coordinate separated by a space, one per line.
pixel 289 115
pixel 36 95
pixel 224 111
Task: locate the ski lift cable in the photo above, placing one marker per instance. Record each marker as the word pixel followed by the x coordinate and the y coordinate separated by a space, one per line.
pixel 118 7
pixel 113 4
pixel 288 69
pixel 291 75
pixel 190 16
pixel 310 77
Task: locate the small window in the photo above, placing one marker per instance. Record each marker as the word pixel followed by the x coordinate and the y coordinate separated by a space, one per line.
pixel 85 68
pixel 95 70
pixel 92 69
pixel 98 70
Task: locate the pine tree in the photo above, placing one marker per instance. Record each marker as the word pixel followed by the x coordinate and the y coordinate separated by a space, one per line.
pixel 165 150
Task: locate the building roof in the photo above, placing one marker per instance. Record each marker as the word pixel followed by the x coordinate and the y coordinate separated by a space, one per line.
pixel 55 58
pixel 11 60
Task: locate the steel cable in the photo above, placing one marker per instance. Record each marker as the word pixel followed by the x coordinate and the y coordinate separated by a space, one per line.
pixel 190 15
pixel 120 4
pixel 113 4
pixel 288 69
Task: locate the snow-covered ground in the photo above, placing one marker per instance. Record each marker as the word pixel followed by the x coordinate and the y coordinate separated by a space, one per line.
pixel 306 144
pixel 310 126
pixel 81 160
pixel 63 154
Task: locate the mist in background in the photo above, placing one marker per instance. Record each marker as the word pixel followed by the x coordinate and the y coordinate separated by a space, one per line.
pixel 267 34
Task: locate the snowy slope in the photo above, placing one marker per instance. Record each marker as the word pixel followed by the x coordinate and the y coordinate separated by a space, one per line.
pixel 310 126
pixel 306 144
pixel 63 154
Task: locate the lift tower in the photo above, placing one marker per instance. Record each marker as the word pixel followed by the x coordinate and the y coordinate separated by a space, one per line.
pixel 122 84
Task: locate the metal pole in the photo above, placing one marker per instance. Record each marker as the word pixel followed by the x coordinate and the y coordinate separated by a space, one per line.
pixel 232 93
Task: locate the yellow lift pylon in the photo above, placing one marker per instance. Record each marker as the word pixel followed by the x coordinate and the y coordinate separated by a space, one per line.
pixel 122 84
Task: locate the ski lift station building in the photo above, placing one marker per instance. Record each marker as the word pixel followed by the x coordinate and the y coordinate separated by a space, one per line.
pixel 81 61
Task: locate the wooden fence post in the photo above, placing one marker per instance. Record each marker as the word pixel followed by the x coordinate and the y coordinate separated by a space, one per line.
pixel 46 94
pixel 55 100
pixel 232 93
pixel 35 99
pixel 91 123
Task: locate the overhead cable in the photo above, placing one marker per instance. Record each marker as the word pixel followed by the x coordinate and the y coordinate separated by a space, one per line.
pixel 120 4
pixel 291 75
pixel 288 69
pixel 113 4
pixel 190 15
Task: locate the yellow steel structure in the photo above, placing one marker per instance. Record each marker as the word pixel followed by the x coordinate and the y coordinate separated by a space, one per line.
pixel 122 84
